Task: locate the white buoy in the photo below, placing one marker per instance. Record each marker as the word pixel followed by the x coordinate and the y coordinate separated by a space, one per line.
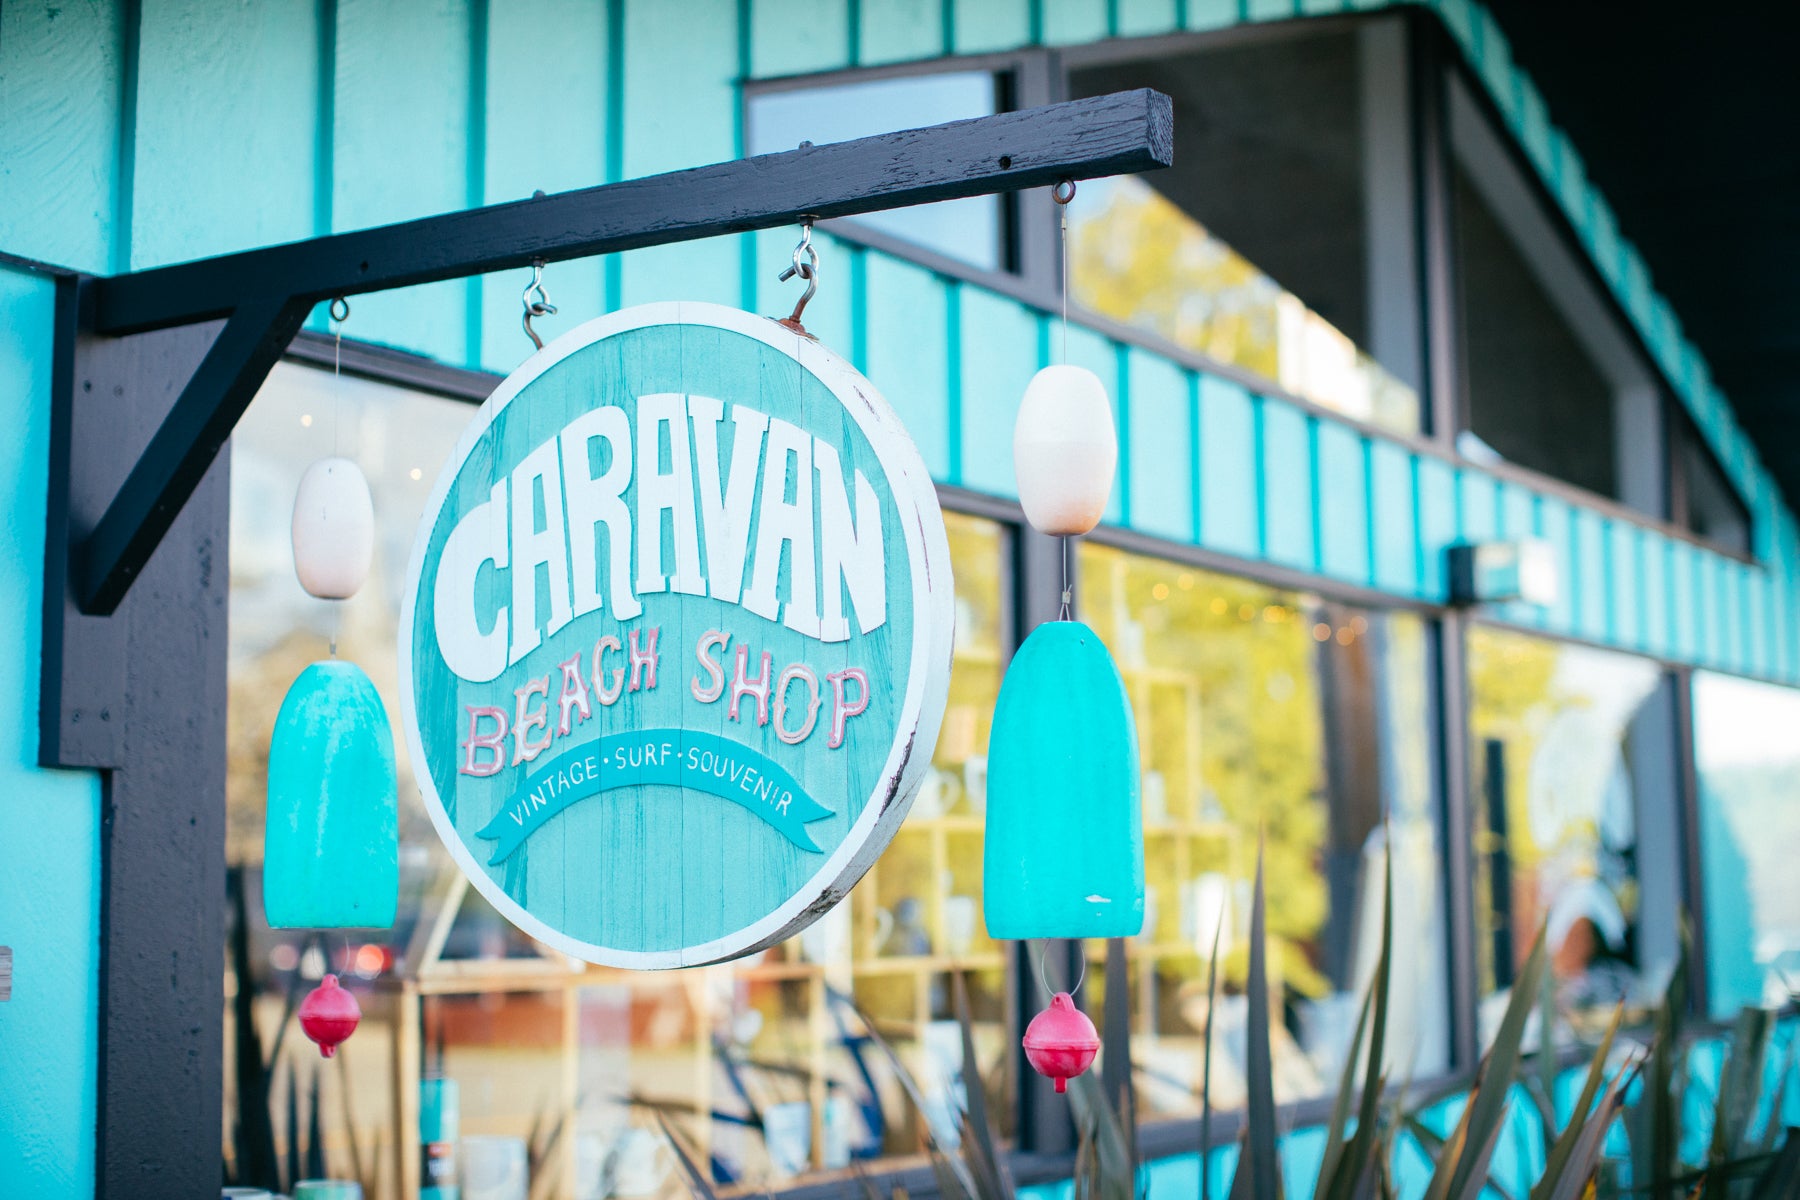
pixel 1065 450
pixel 333 529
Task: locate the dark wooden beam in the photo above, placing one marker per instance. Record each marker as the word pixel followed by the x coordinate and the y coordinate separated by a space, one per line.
pixel 184 447
pixel 264 295
pixel 1117 134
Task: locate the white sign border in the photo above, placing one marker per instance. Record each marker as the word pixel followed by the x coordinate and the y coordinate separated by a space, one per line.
pixel 928 677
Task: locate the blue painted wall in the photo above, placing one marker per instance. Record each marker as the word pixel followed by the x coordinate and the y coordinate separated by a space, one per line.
pixel 49 820
pixel 132 135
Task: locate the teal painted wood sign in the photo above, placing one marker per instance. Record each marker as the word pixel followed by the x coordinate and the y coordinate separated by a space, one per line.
pixel 675 643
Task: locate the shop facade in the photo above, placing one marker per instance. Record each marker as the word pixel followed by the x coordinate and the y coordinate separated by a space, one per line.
pixel 1373 314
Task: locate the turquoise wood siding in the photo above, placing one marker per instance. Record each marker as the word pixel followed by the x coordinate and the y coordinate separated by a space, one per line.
pixel 263 123
pixel 49 820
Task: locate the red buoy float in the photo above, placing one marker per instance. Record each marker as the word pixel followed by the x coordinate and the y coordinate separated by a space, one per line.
pixel 329 1015
pixel 1061 1042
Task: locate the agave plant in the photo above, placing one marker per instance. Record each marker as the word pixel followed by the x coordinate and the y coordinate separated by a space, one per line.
pixel 1741 1161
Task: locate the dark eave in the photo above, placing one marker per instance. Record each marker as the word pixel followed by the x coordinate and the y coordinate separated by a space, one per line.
pixel 1685 115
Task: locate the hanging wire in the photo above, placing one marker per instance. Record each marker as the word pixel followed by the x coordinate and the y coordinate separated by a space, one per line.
pixel 1068 589
pixel 1043 967
pixel 536 302
pixel 1064 194
pixel 807 270
pixel 339 312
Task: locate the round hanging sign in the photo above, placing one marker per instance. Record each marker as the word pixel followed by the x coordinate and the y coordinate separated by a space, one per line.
pixel 675 642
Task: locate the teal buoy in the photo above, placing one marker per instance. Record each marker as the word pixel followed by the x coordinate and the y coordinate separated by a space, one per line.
pixel 1065 835
pixel 331 844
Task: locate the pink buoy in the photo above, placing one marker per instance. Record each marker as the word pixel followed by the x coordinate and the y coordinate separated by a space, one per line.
pixel 329 1015
pixel 1061 1042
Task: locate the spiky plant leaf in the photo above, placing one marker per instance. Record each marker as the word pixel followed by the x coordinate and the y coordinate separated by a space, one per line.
pixel 1778 1102
pixel 1259 1167
pixel 1111 1142
pixel 1781 1178
pixel 1487 1105
pixel 1340 1104
pixel 934 1138
pixel 1562 1151
pixel 1740 1085
pixel 981 1141
pixel 1356 1158
pixel 1653 1123
pixel 697 1180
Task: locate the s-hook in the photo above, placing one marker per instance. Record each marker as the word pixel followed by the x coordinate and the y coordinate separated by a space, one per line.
pixel 807 270
pixel 537 303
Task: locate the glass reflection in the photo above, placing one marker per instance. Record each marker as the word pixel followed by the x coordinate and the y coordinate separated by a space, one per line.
pixel 1560 741
pixel 1265 710
pixel 1749 776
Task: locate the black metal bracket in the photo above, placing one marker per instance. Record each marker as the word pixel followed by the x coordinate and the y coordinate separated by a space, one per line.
pixel 187 346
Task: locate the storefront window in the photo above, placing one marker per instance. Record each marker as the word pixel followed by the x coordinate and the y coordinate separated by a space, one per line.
pixel 1551 379
pixel 1265 710
pixel 1573 788
pixel 559 1070
pixel 1281 239
pixel 1749 776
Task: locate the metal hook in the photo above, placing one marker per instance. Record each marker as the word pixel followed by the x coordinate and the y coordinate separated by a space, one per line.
pixel 540 307
pixel 338 310
pixel 808 270
pixel 1064 192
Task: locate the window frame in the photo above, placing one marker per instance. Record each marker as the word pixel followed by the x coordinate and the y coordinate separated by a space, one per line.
pixel 1440 65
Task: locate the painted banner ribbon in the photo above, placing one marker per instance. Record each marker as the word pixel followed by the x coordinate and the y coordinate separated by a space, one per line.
pixel 682 758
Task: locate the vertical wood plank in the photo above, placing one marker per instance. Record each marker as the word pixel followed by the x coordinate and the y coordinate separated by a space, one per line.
pixel 1754 590
pixel 1437 524
pixel 1683 602
pixel 901 31
pixel 1534 127
pixel 1709 585
pixel 1269 10
pixel 1145 18
pixel 908 353
pixel 983 26
pixel 213 76
pixel 1227 468
pixel 1781 598
pixel 1496 68
pixel 1288 505
pixel 60 67
pixel 1342 496
pixel 795 37
pixel 532 145
pixel 1625 619
pixel 680 100
pixel 1517 517
pixel 400 150
pixel 1392 524
pixel 1555 521
pixel 1603 240
pixel 1162 477
pixel 999 357
pixel 1073 22
pixel 1211 14
pixel 1479 496
pixel 1588 546
pixel 1653 587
